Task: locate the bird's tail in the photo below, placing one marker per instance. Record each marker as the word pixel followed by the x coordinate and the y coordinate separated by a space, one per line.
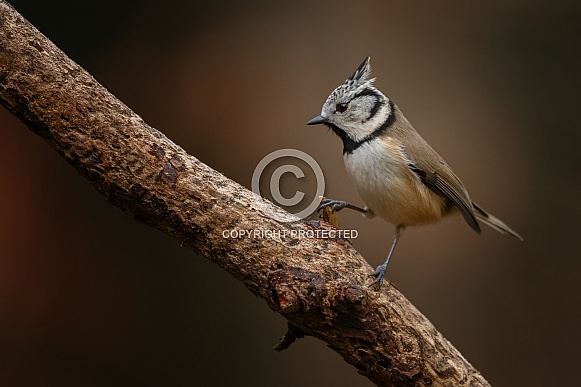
pixel 494 222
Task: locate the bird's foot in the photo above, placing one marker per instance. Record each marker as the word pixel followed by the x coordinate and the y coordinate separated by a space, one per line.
pixel 379 273
pixel 336 205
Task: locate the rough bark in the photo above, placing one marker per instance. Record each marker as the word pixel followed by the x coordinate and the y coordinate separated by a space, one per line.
pixel 319 285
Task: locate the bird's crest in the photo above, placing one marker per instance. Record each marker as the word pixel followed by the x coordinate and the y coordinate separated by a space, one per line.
pixel 362 73
pixel 357 82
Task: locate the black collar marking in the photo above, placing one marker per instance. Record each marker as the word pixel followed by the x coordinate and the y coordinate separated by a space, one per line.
pixel 349 145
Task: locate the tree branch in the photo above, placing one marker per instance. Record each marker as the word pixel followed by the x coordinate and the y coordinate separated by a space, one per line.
pixel 319 285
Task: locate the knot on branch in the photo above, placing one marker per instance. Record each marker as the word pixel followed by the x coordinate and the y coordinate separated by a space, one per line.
pixel 338 304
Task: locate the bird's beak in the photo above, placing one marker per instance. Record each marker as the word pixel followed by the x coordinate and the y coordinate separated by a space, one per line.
pixel 317 120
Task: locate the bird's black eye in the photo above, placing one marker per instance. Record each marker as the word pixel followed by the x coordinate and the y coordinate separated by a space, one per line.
pixel 341 107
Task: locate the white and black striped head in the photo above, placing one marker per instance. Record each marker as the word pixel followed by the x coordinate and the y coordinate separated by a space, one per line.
pixel 356 111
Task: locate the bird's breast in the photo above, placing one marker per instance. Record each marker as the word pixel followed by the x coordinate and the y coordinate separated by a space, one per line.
pixel 379 170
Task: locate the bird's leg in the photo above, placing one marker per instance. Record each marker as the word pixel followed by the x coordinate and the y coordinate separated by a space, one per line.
pixel 338 205
pixel 379 273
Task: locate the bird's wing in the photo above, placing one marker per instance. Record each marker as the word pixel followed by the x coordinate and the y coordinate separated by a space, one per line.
pixel 439 177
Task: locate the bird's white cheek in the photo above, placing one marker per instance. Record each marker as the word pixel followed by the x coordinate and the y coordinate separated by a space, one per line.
pixel 359 128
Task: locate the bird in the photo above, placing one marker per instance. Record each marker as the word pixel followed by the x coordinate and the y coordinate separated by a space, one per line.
pixel 399 176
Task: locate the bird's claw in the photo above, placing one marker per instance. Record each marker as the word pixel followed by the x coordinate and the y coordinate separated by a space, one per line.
pixel 336 205
pixel 379 273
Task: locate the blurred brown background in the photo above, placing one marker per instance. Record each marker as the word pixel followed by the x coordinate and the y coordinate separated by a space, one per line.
pixel 89 296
